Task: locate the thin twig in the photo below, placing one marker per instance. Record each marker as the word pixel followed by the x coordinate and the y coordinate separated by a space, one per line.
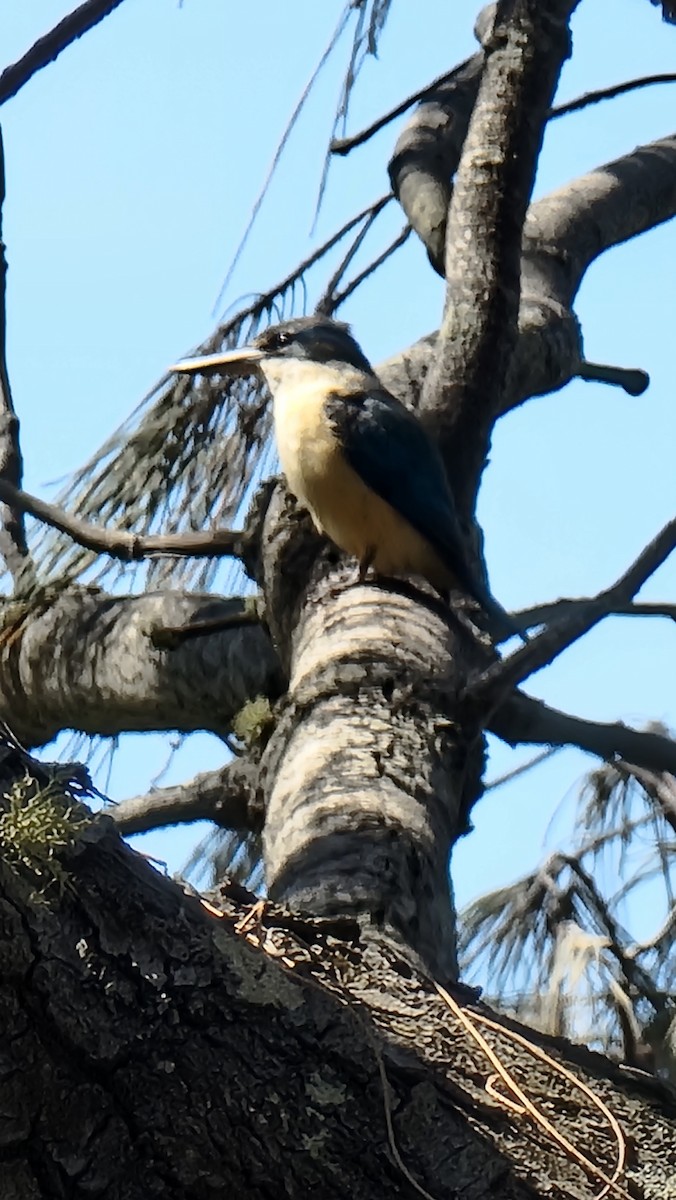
pixel 13 546
pixel 609 93
pixel 342 146
pixel 48 48
pixel 281 146
pixel 491 686
pixel 326 303
pixel 118 543
pixel 522 769
pixel 352 286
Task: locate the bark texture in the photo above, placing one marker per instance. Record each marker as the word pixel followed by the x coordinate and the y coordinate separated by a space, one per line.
pixel 150 1050
pixel 78 658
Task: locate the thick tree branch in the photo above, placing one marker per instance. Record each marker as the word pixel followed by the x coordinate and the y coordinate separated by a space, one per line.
pixel 130 547
pixel 228 796
pixel 465 388
pixel 47 48
pixel 523 719
pixel 130 1007
pixel 427 153
pixel 568 229
pixel 627 197
pixel 13 548
pixel 80 659
pixel 493 684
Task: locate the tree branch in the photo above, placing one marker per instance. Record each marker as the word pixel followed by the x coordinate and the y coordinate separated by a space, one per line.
pixel 568 229
pixel 610 93
pixel 544 614
pixel 79 659
pixel 564 233
pixel 493 684
pixel 344 145
pixel 130 547
pixel 47 48
pixel 13 546
pixel 228 796
pixel 522 719
pixel 427 153
pixel 465 388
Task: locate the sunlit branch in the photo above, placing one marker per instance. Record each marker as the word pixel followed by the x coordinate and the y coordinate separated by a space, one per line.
pixel 226 796
pixel 48 48
pixel 493 684
pixel 119 543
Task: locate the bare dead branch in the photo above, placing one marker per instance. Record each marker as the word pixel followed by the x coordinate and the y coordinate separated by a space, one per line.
pixel 48 48
pixel 326 303
pixel 522 769
pixel 343 146
pixel 564 233
pixel 599 210
pixel 227 796
pixel 13 548
pixel 394 245
pixel 544 614
pixel 464 390
pixel 130 547
pixel 522 719
pixel 632 380
pixel 609 93
pixel 493 684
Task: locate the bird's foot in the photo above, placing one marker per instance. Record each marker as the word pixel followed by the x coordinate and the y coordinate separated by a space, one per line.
pixel 364 565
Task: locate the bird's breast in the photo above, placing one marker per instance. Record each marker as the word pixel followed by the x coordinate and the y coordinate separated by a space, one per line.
pixel 309 450
pixel 340 501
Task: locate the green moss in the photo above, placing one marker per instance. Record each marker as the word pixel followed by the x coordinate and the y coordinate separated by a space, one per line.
pixel 37 826
pixel 254 722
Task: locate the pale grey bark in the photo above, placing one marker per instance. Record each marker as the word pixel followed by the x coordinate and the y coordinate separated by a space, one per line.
pixel 229 797
pixel 564 234
pixel 86 661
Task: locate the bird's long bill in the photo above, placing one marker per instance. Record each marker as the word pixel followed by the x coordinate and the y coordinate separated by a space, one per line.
pixel 241 361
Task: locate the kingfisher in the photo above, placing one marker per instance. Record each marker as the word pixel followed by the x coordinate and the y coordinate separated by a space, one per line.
pixel 357 459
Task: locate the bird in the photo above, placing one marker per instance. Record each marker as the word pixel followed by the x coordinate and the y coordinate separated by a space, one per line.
pixel 360 462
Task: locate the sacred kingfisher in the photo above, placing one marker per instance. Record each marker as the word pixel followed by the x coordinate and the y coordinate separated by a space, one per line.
pixel 357 459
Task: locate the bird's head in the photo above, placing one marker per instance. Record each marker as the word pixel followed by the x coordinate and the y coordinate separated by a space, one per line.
pixel 307 339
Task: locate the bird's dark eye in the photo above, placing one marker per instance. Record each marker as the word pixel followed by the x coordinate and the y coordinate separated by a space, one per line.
pixel 283 339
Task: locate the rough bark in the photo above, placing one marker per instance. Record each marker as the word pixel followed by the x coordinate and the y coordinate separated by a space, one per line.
pixel 81 659
pixel 150 1050
pixel 365 775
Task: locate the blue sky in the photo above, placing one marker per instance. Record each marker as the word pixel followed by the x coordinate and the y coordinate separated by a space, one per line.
pixel 132 164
